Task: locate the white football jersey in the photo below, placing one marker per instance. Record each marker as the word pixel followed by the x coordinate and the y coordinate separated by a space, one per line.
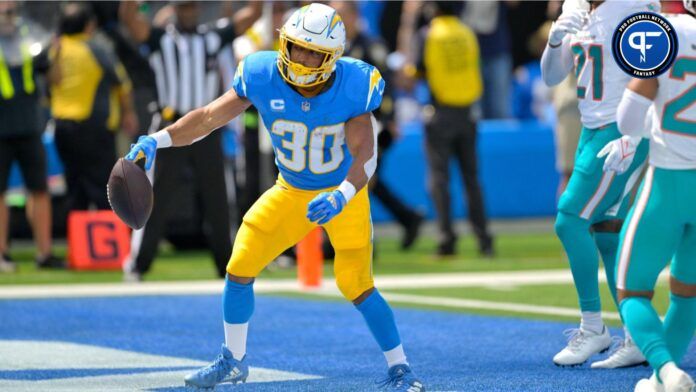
pixel 673 136
pixel 601 82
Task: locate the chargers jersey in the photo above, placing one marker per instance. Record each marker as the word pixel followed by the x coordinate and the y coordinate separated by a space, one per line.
pixel 307 134
pixel 673 136
pixel 601 82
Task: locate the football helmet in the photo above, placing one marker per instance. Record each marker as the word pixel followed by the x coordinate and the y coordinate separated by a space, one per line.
pixel 316 27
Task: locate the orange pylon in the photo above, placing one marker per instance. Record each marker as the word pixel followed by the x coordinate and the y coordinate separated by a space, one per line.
pixel 310 259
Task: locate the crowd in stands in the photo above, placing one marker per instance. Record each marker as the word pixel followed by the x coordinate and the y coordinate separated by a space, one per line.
pixel 91 77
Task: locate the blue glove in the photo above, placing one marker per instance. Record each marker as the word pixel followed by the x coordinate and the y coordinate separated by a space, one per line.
pixel 146 147
pixel 325 206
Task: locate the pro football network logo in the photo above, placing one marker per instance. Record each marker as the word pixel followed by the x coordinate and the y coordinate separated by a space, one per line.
pixel 645 45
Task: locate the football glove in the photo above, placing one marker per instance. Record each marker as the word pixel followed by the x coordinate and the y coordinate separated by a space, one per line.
pixel 325 206
pixel 619 153
pixel 569 22
pixel 145 148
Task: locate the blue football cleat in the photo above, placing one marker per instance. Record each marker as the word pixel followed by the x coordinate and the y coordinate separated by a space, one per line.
pixel 401 378
pixel 224 368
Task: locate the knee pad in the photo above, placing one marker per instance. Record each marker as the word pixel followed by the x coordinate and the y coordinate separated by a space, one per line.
pixel 567 226
pixel 352 286
pixel 245 254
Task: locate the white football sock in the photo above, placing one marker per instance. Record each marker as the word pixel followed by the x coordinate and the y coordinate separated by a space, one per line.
pixel 592 322
pixel 396 356
pixel 236 338
pixel 666 369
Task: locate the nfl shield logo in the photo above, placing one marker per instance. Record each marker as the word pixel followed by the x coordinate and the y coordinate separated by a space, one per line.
pixel 305 106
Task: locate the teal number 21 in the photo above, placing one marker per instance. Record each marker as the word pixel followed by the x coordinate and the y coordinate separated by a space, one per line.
pixel 595 55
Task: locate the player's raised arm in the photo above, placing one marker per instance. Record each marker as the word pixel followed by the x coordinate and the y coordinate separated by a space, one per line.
pixel 194 126
pixel 557 59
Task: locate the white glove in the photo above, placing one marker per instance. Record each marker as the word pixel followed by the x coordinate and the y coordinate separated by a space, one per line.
pixel 568 23
pixel 620 153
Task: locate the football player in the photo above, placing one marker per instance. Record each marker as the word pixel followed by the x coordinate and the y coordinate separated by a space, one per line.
pixel 662 224
pixel 317 107
pixel 594 203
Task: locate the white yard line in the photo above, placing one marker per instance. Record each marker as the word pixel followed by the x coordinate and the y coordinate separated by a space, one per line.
pixel 502 280
pixel 461 303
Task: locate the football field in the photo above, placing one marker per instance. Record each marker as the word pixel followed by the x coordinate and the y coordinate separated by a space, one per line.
pixel 468 324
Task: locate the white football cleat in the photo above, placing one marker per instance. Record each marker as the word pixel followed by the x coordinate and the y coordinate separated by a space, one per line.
pixel 626 354
pixel 581 346
pixel 649 385
pixel 677 380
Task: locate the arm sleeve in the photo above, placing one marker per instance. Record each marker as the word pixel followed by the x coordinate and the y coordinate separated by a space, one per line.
pixel 556 63
pixel 239 83
pixel 375 91
pixel 631 114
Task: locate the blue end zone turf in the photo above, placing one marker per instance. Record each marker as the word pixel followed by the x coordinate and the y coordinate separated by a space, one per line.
pixel 328 339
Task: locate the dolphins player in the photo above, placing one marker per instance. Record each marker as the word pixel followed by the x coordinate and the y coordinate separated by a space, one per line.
pixel 662 224
pixel 592 208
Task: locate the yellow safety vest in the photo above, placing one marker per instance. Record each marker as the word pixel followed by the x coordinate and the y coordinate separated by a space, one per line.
pixel 451 59
pixel 7 90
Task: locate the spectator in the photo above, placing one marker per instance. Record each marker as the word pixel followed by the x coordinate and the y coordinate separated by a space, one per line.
pixel 21 58
pixel 565 102
pixel 530 95
pixel 360 46
pixel 184 57
pixel 89 99
pixel 448 57
pixel 489 20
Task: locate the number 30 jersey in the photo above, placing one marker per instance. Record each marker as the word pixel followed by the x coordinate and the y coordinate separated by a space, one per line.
pixel 600 80
pixel 673 136
pixel 308 134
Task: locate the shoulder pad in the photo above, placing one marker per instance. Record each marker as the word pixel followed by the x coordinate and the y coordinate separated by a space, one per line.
pixel 259 67
pixel 366 83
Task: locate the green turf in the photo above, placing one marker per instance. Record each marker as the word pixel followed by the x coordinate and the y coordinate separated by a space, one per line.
pixel 515 252
pixel 559 295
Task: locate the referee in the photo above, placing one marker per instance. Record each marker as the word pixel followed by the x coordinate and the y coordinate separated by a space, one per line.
pixel 184 58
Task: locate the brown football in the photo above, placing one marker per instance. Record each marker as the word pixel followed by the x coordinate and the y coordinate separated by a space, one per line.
pixel 130 193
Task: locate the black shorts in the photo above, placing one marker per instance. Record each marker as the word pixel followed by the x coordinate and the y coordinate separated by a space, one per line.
pixel 31 156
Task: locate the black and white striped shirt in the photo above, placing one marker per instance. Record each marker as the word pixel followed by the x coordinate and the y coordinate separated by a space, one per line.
pixel 186 64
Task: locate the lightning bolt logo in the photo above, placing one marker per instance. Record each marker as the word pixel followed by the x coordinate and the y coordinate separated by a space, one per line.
pixel 375 78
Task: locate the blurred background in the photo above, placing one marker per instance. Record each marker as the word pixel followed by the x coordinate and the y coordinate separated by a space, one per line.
pixel 519 159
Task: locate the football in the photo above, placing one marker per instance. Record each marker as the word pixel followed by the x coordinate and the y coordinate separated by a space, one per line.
pixel 130 193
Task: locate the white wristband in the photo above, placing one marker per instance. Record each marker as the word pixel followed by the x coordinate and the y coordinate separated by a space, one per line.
pixel 163 138
pixel 347 189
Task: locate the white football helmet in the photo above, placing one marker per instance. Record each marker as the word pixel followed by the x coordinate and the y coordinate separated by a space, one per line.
pixel 316 27
pixel 690 6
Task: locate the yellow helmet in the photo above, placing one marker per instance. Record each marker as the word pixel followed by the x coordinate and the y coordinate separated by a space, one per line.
pixel 316 27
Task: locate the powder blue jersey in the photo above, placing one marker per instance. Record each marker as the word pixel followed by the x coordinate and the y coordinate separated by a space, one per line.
pixel 308 133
